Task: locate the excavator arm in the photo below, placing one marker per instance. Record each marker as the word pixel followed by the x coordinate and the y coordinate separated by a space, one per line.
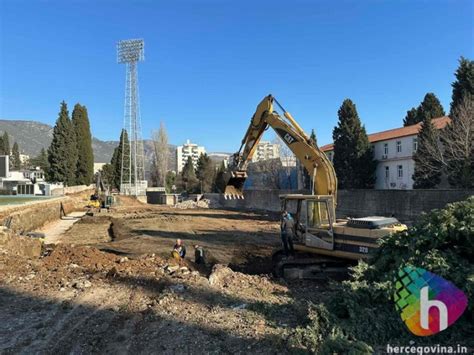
pixel 310 156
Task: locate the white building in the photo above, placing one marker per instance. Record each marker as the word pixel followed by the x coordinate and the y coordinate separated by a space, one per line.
pixel 393 150
pixel 265 151
pixel 186 150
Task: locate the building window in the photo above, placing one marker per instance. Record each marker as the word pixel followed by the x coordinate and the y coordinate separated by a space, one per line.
pixel 399 146
pixel 400 171
pixel 385 148
pixel 387 172
pixel 415 144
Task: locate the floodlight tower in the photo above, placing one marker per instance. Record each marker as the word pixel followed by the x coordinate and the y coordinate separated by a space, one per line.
pixel 132 177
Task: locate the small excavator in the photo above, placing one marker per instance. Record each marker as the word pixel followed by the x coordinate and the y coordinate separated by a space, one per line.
pixel 322 242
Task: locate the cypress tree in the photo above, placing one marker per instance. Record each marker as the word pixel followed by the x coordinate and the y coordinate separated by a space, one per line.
pixel 85 160
pixel 428 168
pixel 464 84
pixel 62 153
pixel 15 161
pixel 6 143
pixel 122 149
pixel 353 156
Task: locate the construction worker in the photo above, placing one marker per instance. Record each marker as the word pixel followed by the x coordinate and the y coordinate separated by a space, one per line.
pixel 287 230
pixel 179 250
pixel 199 255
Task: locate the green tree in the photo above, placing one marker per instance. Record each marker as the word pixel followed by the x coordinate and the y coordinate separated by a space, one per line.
pixel 411 118
pixel 205 172
pixel 464 84
pixel 107 174
pixel 15 161
pixel 6 144
pixel 121 154
pixel 189 180
pixel 62 153
pixel 430 108
pixel 170 181
pixel 428 157
pixel 219 182
pixel 353 156
pixel 40 160
pixel 85 160
pixel 2 152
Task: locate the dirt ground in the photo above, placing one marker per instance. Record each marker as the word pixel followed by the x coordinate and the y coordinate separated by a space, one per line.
pixel 109 286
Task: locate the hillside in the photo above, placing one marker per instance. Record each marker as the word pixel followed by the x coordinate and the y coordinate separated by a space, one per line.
pixel 31 136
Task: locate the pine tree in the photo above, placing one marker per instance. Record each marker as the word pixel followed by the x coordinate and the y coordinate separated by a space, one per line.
pixel 15 161
pixel 188 177
pixel 2 152
pixel 62 153
pixel 121 153
pixel 411 118
pixel 428 166
pixel 464 84
pixel 85 161
pixel 41 160
pixel 430 107
pixel 353 156
pixel 205 172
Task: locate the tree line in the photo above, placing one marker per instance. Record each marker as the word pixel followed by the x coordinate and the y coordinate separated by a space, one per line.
pixel 445 152
pixel 69 158
pixel 204 176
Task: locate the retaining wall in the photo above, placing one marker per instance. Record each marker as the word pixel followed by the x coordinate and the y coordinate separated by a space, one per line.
pixel 406 205
pixel 32 215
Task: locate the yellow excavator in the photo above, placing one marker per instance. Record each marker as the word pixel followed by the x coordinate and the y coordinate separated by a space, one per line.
pixel 322 242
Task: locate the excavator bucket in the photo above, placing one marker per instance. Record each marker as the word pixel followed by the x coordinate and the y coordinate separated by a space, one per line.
pixel 235 184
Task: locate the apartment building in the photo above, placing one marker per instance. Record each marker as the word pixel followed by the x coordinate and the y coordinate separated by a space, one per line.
pixel 186 150
pixel 266 150
pixel 393 151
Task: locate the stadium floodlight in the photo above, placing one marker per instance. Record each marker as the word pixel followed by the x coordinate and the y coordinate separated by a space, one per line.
pixel 130 50
pixel 132 176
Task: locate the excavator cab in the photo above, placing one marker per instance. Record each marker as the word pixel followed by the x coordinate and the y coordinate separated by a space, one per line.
pixel 314 216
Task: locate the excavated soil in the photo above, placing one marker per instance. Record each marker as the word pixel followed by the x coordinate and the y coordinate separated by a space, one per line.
pixel 109 286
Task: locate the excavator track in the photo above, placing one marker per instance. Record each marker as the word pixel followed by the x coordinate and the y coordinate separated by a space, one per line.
pixel 310 266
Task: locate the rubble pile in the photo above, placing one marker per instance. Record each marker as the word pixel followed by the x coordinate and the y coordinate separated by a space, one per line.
pixel 189 204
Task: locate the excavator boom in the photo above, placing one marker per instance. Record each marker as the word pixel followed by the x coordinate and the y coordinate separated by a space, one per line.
pixel 311 157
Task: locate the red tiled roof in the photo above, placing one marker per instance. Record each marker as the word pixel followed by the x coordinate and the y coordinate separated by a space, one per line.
pixel 439 123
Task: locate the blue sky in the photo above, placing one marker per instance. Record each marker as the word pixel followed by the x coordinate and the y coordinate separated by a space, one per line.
pixel 209 63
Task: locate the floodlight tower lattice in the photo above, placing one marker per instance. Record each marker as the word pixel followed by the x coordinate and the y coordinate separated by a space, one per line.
pixel 132 177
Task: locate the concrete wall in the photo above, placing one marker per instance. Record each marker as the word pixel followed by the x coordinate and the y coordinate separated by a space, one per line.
pixel 30 216
pixel 406 205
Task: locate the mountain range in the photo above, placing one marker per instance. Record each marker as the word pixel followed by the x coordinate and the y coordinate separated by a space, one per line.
pixel 32 136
